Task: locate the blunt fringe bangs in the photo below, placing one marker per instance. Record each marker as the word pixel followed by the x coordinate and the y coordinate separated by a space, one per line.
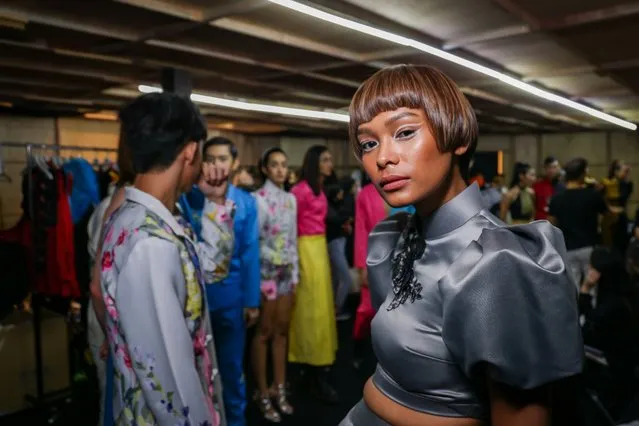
pixel 450 116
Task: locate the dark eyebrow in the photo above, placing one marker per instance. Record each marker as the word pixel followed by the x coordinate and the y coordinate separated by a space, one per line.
pixel 363 131
pixel 399 116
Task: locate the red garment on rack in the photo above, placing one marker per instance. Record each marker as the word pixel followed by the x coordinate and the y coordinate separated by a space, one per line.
pixel 58 277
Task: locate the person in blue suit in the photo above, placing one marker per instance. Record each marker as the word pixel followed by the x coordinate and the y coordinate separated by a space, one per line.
pixel 234 301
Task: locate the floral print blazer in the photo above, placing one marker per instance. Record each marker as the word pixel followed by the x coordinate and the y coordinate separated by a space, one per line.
pixel 157 319
pixel 277 212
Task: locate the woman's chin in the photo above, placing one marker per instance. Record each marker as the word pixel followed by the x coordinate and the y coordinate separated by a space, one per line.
pixel 398 199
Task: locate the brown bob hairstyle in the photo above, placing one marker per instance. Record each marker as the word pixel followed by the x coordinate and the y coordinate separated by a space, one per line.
pixel 451 118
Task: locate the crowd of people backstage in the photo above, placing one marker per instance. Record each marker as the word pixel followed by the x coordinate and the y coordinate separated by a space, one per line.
pixel 179 235
pixel 602 254
pixel 185 261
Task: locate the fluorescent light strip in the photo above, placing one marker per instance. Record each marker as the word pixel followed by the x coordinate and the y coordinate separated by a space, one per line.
pixel 405 41
pixel 250 106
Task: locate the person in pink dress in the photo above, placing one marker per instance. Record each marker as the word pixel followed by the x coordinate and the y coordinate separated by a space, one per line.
pixel 370 208
pixel 313 331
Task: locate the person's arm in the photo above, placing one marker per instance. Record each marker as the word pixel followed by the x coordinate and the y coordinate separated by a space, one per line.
pixel 506 201
pixel 250 257
pixel 533 194
pixel 295 272
pixel 150 299
pixel 510 406
pixel 269 257
pixel 215 247
pixel 95 287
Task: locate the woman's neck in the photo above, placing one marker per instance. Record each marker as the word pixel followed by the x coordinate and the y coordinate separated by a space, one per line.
pixel 278 185
pixel 452 186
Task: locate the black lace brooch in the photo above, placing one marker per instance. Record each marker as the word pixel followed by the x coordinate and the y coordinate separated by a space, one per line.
pixel 410 248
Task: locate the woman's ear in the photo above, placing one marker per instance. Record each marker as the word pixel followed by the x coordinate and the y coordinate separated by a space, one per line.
pixel 461 150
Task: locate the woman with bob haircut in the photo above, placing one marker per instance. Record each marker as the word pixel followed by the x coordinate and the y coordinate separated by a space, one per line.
pixel 476 322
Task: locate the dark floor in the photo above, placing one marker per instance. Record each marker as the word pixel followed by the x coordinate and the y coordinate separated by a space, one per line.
pixel 81 408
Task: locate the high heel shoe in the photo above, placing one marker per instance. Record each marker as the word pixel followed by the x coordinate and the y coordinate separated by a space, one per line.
pixel 266 407
pixel 279 393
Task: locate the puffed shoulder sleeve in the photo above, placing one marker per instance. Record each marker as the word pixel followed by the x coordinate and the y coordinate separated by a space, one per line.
pixel 510 309
pixel 381 243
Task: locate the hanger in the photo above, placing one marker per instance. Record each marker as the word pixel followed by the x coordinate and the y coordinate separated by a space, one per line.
pixel 43 166
pixel 4 177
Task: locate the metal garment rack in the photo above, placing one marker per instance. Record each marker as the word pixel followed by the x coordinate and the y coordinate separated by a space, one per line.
pixel 39 400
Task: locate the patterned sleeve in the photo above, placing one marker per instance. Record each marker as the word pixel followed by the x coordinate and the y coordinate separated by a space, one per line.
pixel 295 274
pixel 268 256
pixel 160 347
pixel 215 247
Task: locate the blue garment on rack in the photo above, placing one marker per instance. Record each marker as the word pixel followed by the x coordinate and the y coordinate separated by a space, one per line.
pixel 86 191
pixel 108 393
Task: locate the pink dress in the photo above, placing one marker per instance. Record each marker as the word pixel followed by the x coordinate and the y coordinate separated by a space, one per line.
pixel 369 210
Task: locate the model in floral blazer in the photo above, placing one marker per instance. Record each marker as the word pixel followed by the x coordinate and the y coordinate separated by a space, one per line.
pixel 158 328
pixel 277 213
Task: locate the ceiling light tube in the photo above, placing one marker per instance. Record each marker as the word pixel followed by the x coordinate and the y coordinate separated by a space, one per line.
pixel 251 106
pixel 405 41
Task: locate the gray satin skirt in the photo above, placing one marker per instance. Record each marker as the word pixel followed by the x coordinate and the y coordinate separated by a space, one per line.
pixel 361 415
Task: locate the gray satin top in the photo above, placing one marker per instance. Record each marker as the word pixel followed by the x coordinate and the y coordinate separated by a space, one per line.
pixel 496 302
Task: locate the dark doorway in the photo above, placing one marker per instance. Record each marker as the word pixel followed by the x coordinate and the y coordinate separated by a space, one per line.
pixel 486 163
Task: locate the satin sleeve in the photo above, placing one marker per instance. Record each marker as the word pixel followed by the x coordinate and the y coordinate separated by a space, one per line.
pixel 381 245
pixel 510 308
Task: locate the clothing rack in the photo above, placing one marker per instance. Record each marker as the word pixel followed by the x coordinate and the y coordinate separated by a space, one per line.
pixel 40 399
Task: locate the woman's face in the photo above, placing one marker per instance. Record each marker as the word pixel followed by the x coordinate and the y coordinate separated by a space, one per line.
pixel 622 171
pixel 326 164
pixel 292 177
pixel 276 168
pixel 401 156
pixel 528 178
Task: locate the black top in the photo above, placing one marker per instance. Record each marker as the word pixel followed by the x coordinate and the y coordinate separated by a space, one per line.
pixel 336 216
pixel 577 212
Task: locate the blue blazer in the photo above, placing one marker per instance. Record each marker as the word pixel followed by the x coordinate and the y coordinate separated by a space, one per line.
pixel 242 286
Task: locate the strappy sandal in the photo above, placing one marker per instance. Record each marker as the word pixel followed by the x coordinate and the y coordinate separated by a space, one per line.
pixel 279 393
pixel 266 407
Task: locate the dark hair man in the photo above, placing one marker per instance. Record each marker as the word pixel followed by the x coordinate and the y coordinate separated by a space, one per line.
pixel 546 187
pixel 157 321
pixel 576 212
pixel 234 294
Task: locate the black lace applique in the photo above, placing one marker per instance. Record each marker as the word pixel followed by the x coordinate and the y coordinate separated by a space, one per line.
pixel 410 249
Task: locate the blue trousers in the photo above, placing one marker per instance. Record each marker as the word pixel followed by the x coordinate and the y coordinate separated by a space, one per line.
pixel 230 335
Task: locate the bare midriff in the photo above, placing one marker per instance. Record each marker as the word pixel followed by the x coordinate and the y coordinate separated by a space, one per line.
pixel 399 415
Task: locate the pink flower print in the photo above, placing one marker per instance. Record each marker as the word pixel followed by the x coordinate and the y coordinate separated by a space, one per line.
pixel 199 344
pixel 269 289
pixel 107 261
pixel 127 359
pixel 275 230
pixel 110 305
pixel 109 236
pixel 262 193
pixel 121 237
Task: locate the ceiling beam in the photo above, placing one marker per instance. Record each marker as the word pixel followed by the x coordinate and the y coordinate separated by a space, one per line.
pixel 484 36
pixel 592 16
pixel 533 24
pixel 587 69
pixel 195 17
pixel 277 36
pixel 62 20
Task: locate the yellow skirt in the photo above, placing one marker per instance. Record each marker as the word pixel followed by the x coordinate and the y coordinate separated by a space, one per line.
pixel 313 332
